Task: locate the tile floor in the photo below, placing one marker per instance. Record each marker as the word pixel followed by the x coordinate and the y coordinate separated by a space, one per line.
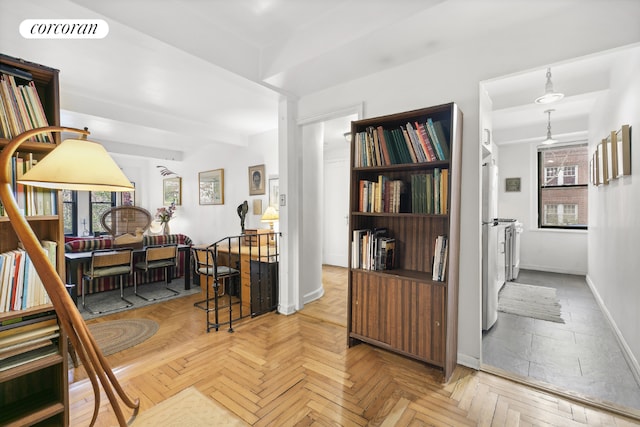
pixel 581 355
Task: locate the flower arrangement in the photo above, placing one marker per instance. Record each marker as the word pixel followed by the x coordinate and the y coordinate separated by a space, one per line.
pixel 165 214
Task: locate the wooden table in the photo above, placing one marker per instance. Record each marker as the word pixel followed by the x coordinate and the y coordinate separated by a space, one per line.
pixel 75 260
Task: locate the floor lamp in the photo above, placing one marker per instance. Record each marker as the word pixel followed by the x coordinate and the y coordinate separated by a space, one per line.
pixel 76 164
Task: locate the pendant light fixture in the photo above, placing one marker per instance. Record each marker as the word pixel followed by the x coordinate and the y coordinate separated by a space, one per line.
pixel 549 140
pixel 549 94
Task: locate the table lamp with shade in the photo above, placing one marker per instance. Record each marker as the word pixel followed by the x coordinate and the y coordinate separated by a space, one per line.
pixel 270 215
pixel 75 164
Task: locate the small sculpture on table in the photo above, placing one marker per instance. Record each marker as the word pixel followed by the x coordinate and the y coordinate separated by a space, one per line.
pixel 242 213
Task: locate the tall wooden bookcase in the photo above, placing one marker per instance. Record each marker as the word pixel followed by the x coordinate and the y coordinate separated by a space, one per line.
pixel 34 382
pixel 403 309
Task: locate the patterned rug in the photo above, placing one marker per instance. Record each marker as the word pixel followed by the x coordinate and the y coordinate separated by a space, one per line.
pixel 109 299
pixel 118 335
pixel 187 408
pixel 538 302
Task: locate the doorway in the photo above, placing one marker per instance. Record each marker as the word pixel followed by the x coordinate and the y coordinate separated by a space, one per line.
pixel 325 195
pixel 551 356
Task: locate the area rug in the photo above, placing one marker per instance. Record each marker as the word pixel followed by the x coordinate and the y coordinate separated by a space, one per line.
pixel 118 335
pixel 187 408
pixel 109 299
pixel 538 302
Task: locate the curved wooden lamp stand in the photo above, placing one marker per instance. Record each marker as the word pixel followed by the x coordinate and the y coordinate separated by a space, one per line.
pixel 69 317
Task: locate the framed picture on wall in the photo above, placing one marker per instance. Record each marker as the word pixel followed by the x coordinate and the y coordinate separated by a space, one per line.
pixel 257 207
pixel 128 198
pixel 274 192
pixel 512 184
pixel 256 180
pixel 211 187
pixel 172 191
pixel 623 149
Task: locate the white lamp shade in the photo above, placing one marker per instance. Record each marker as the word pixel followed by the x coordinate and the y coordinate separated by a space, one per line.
pixel 270 215
pixel 78 164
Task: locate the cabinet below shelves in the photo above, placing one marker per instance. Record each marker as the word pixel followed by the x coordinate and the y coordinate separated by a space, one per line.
pixel 400 313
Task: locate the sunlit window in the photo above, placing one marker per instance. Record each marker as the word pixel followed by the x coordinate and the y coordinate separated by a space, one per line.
pixel 562 183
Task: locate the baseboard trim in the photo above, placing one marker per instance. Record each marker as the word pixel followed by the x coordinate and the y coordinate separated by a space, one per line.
pixel 468 361
pixel 550 269
pixel 626 350
pixel 312 296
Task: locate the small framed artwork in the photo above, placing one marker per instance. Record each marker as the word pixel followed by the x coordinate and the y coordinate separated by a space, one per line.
pixel 256 180
pixel 128 198
pixel 612 157
pixel 596 169
pixel 623 148
pixel 172 191
pixel 274 192
pixel 512 184
pixel 211 187
pixel 603 177
pixel 257 207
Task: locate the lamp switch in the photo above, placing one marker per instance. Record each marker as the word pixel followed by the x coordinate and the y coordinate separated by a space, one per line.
pixel 283 200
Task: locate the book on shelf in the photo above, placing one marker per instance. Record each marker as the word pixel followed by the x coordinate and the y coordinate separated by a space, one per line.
pixel 440 258
pixel 20 286
pixel 31 201
pixel 21 109
pixel 383 195
pixel 413 142
pixel 430 192
pixel 31 353
pixel 372 250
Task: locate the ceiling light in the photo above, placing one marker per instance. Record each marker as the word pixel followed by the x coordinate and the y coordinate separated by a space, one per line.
pixel 549 94
pixel 549 139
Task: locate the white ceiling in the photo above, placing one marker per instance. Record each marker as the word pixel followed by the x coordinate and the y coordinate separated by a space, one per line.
pixel 179 74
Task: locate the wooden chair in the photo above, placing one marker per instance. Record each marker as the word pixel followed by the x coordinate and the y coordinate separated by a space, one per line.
pixel 107 263
pixel 157 256
pixel 214 276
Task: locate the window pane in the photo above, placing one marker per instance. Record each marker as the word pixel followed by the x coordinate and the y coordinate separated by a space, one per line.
pixel 563 179
pixel 101 196
pixel 564 197
pixel 101 201
pixel 563 163
pixel 68 218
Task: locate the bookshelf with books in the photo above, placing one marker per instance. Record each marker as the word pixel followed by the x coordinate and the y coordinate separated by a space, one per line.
pixel 33 348
pixel 404 231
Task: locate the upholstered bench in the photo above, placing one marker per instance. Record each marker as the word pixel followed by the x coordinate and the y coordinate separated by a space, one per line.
pixel 109 283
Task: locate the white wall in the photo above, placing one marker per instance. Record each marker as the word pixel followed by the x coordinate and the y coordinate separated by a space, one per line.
pixel 614 217
pixel 207 223
pixel 560 251
pixel 454 76
pixel 311 220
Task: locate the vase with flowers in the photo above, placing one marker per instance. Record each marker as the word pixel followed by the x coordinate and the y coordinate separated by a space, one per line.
pixel 164 215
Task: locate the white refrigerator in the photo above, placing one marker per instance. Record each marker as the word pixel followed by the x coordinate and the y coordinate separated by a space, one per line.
pixel 493 244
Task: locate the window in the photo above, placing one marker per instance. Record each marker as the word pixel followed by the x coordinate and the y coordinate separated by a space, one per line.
pixel 562 189
pixel 70 212
pixel 100 202
pixel 560 214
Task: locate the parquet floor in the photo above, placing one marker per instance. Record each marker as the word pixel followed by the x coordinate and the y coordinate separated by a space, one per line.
pixel 280 370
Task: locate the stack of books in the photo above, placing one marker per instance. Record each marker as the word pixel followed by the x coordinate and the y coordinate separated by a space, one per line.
pixel 21 109
pixel 410 143
pixel 372 250
pixel 440 259
pixel 383 195
pixel 20 285
pixel 430 192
